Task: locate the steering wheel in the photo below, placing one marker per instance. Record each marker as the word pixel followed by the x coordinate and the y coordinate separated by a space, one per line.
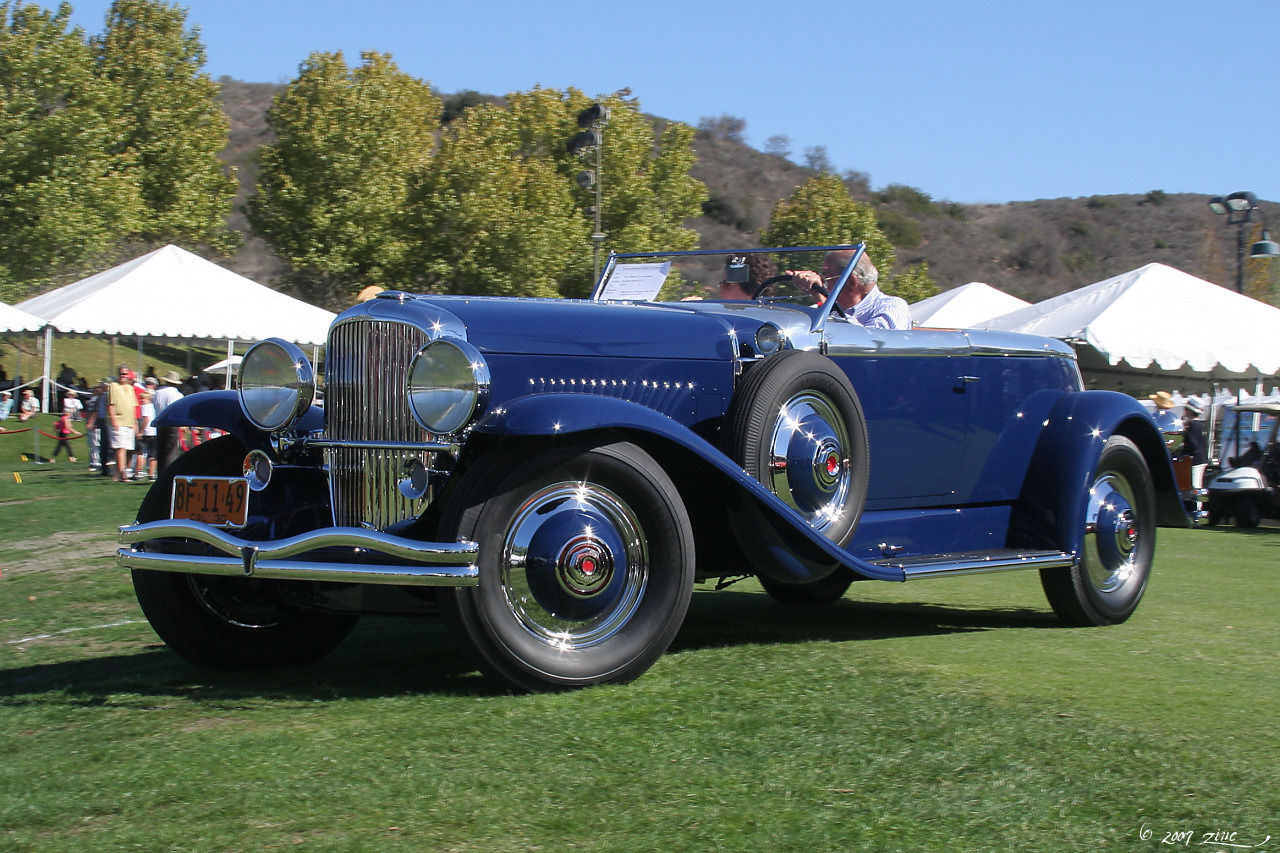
pixel 817 288
pixel 768 283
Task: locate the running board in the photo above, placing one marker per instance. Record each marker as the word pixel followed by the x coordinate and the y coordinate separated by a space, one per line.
pixel 976 562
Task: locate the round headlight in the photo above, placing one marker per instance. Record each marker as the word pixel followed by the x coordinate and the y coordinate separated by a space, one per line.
pixel 768 339
pixel 448 385
pixel 277 384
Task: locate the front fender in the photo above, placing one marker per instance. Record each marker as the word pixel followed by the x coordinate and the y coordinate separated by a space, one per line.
pixel 1051 507
pixel 802 553
pixel 221 410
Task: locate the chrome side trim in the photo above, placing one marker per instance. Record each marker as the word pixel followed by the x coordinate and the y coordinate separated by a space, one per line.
pixel 428 563
pixel 976 562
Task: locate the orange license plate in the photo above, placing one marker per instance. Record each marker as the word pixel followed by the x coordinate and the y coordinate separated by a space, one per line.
pixel 220 501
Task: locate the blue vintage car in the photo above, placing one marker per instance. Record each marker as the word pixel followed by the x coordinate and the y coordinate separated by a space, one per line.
pixel 555 476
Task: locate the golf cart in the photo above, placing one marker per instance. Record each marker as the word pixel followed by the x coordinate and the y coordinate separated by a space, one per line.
pixel 1247 489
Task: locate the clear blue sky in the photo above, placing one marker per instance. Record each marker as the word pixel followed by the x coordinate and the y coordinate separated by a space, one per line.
pixel 1003 100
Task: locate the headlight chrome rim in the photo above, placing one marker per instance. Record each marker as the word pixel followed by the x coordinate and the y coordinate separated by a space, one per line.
pixel 448 385
pixel 277 385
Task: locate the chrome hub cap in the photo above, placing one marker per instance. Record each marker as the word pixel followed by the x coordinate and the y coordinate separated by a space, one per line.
pixel 574 564
pixel 1112 536
pixel 809 459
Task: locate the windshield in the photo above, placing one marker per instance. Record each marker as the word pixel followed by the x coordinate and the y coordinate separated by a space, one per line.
pixel 1246 434
pixel 728 276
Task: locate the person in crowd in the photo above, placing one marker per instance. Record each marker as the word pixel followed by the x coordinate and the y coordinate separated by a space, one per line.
pixel 861 298
pixel 167 390
pixel 122 413
pixel 65 432
pixel 30 405
pixel 144 461
pixel 1166 421
pixel 97 426
pixel 1193 434
pixel 6 404
pixel 66 378
pixel 71 404
pixel 743 274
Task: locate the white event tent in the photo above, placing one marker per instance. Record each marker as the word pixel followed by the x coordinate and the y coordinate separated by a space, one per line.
pixel 964 307
pixel 16 320
pixel 1155 327
pixel 172 293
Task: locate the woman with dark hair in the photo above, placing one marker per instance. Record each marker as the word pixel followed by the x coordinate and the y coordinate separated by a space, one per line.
pixel 743 274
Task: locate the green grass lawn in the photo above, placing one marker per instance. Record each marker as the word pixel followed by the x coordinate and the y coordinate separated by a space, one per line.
pixel 941 715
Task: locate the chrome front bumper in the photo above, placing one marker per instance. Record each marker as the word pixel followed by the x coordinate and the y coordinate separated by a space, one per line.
pixel 348 559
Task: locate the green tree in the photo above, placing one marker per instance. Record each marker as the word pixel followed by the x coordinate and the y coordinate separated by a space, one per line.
pixel 176 125
pixel 491 215
pixel 912 284
pixel 518 152
pixel 822 213
pixel 333 189
pixel 68 184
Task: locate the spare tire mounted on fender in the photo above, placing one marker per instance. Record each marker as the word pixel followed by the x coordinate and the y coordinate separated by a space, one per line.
pixel 795 424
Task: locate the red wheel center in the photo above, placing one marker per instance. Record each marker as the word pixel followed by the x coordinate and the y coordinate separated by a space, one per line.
pixel 833 464
pixel 588 566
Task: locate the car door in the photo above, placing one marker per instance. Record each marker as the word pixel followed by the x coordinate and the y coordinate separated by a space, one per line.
pixel 913 387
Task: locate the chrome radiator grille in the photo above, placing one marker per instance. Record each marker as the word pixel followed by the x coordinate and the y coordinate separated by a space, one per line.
pixel 366 368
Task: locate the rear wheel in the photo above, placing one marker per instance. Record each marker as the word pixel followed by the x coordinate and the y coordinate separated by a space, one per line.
pixel 1107 581
pixel 815 594
pixel 225 622
pixel 586 564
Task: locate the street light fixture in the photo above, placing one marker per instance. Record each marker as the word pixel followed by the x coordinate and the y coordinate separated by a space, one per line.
pixel 1239 209
pixel 592 120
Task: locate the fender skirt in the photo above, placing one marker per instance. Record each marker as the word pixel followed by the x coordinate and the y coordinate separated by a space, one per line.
pixel 1051 508
pixel 799 552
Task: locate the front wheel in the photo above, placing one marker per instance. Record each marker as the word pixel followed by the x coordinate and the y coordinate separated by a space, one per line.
pixel 586 564
pixel 1107 581
pixel 226 623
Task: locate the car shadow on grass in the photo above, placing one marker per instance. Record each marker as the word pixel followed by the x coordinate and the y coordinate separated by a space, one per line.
pixel 387 656
pixel 727 618
pixel 382 657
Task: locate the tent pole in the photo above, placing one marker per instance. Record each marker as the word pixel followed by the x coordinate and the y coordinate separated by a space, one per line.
pixel 231 350
pixel 48 368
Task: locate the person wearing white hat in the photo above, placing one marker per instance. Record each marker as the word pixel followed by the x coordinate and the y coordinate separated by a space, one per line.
pixel 166 393
pixel 1193 443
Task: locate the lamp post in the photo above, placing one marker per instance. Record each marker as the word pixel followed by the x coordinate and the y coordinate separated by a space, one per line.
pixel 1239 209
pixel 590 120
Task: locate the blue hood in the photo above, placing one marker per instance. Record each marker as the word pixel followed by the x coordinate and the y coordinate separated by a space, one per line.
pixel 577 327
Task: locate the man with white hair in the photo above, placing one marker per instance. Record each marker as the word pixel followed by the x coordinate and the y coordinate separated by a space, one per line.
pixel 861 299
